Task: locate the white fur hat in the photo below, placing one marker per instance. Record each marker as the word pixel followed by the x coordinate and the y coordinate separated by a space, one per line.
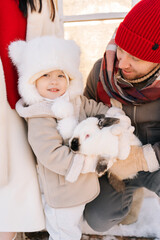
pixel 42 55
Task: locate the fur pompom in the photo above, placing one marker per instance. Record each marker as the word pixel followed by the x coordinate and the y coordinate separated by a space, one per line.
pixel 62 108
pixel 66 127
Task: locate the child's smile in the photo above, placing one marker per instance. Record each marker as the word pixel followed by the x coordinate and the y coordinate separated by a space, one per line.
pixel 53 89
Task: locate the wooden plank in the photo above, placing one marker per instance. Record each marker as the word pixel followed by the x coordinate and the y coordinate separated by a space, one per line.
pixel 93 17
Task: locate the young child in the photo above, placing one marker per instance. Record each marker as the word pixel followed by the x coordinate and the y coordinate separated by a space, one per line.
pixel 51 86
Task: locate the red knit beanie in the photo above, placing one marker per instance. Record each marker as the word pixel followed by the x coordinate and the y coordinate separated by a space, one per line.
pixel 139 33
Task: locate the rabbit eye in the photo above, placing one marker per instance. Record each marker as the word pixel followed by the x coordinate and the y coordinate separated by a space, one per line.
pixel 87 136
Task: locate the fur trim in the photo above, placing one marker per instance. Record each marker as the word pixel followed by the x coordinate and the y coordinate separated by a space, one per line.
pixel 16 51
pixel 64 110
pixel 45 54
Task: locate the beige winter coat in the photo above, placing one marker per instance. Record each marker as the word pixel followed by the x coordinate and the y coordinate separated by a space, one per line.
pixel 55 159
pixel 20 200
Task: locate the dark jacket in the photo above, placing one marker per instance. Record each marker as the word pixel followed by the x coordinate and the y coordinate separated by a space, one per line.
pixel 145 117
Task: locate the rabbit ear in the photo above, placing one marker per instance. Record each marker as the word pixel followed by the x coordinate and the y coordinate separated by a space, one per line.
pixel 100 116
pixel 107 121
pixel 15 50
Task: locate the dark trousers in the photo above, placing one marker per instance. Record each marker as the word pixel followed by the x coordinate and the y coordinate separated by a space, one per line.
pixel 110 207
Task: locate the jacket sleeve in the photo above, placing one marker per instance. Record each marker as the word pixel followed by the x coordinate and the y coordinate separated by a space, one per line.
pixel 93 108
pixel 48 145
pixel 92 80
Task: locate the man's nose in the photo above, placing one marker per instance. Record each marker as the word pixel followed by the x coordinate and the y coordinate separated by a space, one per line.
pixel 124 62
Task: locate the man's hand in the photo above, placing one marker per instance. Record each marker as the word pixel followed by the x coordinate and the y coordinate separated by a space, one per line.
pixel 139 159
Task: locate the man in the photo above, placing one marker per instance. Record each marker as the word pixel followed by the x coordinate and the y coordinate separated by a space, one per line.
pixel 130 74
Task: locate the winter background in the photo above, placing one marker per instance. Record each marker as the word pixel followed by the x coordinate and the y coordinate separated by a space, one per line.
pixel 92 36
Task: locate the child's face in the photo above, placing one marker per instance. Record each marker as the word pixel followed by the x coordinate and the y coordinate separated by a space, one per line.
pixel 52 85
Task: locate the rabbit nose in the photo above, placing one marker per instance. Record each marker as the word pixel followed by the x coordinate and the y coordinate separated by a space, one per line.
pixel 75 144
